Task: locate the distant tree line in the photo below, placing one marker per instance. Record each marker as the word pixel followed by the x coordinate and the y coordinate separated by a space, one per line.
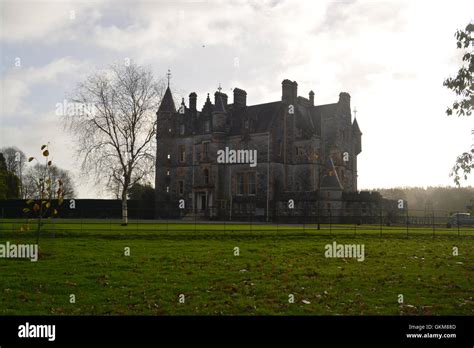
pixel 450 199
pixel 18 180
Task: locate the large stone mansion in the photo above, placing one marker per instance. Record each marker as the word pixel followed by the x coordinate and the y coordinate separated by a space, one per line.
pixel 304 152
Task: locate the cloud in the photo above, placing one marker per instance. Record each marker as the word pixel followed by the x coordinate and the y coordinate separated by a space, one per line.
pixel 45 22
pixel 19 83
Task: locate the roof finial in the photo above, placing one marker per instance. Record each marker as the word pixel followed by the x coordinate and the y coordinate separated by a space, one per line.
pixel 219 88
pixel 355 112
pixel 168 76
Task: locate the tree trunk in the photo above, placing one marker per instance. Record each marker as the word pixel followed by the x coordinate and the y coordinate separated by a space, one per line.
pixel 124 209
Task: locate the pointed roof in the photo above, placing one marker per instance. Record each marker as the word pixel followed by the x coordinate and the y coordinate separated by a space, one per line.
pixel 355 127
pixel 219 103
pixel 167 103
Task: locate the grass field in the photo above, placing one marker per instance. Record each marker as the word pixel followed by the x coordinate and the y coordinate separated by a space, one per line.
pixel 169 259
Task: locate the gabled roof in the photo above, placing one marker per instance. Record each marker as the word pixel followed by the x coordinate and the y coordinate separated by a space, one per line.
pixel 261 117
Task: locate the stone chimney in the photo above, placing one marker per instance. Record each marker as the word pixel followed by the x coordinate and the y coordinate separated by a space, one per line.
pixel 287 91
pixel 240 97
pixel 295 90
pixel 345 103
pixel 192 101
pixel 311 97
pixel 344 98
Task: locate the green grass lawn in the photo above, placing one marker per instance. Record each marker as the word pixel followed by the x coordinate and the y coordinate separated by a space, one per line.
pixel 169 259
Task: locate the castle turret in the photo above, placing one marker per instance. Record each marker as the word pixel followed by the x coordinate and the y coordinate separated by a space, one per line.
pixel 356 136
pixel 164 132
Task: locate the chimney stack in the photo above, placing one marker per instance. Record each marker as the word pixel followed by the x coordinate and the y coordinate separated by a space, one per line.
pixel 345 98
pixel 192 101
pixel 240 97
pixel 295 90
pixel 289 91
pixel 286 91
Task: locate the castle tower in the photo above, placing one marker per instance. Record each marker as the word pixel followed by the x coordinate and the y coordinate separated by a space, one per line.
pixel 164 153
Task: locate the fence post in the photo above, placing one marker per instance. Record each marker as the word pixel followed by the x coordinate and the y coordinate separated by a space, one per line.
pixel 407 222
pixel 330 222
pixel 251 222
pixel 304 220
pixel 381 221
pixel 433 218
pixel 457 218
pixel 319 217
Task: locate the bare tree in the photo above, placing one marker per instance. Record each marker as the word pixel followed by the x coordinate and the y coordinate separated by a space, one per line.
pixel 115 138
pixel 39 173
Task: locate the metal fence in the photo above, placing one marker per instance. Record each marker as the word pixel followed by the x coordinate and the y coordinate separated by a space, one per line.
pixel 382 222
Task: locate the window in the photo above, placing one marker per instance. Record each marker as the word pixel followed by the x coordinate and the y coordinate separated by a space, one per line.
pixel 169 156
pixel 246 124
pixel 240 184
pixel 181 129
pixel 207 126
pixel 206 176
pixel 205 150
pixel 181 187
pixel 251 184
pixel 168 172
pixel 182 153
pixel 169 130
pixel 167 189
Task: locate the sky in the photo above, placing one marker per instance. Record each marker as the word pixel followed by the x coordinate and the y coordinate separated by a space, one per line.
pixel 390 56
